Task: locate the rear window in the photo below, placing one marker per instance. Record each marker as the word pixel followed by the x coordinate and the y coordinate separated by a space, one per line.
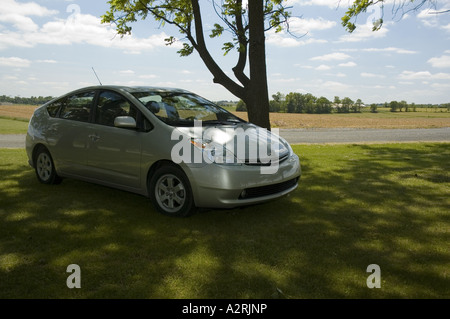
pixel 78 107
pixel 53 108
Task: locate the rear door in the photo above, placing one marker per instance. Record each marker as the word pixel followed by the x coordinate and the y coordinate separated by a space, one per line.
pixel 67 132
pixel 114 154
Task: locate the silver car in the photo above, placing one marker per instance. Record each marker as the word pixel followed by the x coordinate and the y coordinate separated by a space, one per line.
pixel 171 145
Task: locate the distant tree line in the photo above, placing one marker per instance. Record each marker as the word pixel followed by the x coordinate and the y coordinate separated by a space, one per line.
pixel 395 106
pixel 39 100
pixel 290 103
pixel 307 103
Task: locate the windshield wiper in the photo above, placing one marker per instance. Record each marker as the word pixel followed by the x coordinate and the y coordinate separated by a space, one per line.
pixel 223 122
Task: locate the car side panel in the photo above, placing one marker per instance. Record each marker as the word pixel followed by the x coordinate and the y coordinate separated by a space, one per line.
pixel 114 155
pixel 67 142
pixel 65 139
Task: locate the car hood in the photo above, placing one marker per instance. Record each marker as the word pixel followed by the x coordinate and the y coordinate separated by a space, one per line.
pixel 249 143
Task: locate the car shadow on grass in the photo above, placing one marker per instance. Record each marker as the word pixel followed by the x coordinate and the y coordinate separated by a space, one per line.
pixel 356 205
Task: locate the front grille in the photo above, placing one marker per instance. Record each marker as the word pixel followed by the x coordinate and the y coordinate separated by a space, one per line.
pixel 261 191
pixel 259 163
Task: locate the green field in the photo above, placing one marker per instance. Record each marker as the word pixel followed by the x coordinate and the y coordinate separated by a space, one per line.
pixel 356 205
pixel 9 126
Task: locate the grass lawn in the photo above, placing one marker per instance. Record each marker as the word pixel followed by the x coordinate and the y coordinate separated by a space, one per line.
pixel 356 205
pixel 10 126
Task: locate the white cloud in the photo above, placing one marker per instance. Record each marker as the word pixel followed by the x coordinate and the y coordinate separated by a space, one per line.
pixel 336 86
pixel 15 62
pixel 283 39
pixel 130 83
pixel 331 57
pixel 47 61
pixel 285 80
pixel 323 67
pixel 302 26
pixel 371 75
pixel 333 88
pixel 433 17
pixel 20 22
pixel 347 64
pixel 147 76
pixel 364 32
pixel 441 62
pixel 446 27
pixel 325 3
pixel 18 14
pixel 77 29
pixel 26 9
pixel 390 49
pixel 278 39
pixel 441 86
pixel 423 75
pixel 339 74
pixel 127 72
pixel 428 18
pixel 299 32
pixel 9 77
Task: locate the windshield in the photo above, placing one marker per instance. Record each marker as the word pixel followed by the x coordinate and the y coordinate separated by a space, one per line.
pixel 182 108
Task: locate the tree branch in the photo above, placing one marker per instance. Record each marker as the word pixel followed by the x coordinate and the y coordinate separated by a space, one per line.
pixel 219 76
pixel 243 45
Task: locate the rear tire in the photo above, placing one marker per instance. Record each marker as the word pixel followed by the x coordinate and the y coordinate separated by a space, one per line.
pixel 170 192
pixel 45 168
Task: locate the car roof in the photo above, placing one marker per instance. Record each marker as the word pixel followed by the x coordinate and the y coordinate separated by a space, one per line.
pixel 131 89
pixel 123 88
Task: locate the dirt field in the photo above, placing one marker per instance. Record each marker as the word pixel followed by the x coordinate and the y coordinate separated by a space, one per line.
pixel 361 120
pixel 17 111
pixel 384 119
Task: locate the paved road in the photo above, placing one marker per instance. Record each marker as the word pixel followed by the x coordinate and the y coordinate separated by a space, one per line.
pixel 12 141
pixel 347 135
pixel 302 136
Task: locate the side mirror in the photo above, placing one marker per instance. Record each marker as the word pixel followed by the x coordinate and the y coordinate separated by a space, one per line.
pixel 125 122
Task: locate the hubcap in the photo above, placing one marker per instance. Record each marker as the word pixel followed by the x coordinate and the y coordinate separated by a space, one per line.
pixel 170 193
pixel 44 166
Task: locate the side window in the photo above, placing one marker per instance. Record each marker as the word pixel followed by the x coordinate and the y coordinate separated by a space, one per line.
pixel 54 107
pixel 161 108
pixel 111 105
pixel 78 107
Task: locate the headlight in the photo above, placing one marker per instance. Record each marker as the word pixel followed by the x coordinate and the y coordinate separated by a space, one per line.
pixel 289 147
pixel 213 152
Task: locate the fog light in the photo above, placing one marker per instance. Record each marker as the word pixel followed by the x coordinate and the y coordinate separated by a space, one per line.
pixel 243 194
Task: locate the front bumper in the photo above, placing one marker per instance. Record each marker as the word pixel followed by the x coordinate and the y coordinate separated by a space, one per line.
pixel 229 186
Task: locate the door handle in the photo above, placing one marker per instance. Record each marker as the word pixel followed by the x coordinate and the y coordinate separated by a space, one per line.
pixel 94 137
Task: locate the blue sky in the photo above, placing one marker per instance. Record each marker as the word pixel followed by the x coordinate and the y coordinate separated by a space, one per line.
pixel 48 47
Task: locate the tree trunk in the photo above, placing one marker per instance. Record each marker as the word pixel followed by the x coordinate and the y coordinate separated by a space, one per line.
pixel 254 91
pixel 257 93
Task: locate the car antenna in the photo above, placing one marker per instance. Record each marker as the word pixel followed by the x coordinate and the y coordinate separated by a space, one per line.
pixel 96 76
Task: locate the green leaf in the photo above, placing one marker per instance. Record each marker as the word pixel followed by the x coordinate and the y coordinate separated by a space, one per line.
pixel 217 31
pixel 227 47
pixel 186 50
pixel 170 40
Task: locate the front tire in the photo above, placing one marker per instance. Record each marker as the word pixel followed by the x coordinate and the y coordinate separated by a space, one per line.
pixel 170 192
pixel 45 168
